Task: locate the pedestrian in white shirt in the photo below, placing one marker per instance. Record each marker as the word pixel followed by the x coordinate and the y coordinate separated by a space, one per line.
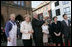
pixel 45 33
pixel 26 30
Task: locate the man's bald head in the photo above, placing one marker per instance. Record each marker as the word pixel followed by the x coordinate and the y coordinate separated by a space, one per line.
pixel 35 15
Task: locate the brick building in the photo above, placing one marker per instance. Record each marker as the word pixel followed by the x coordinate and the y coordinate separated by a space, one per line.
pixel 20 8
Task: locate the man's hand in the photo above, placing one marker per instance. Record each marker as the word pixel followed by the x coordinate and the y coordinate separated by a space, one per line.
pixel 9 39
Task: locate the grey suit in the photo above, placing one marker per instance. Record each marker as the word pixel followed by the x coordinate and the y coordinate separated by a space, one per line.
pixel 66 32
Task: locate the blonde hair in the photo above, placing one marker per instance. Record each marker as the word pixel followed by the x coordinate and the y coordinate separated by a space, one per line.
pixel 12 15
pixel 27 15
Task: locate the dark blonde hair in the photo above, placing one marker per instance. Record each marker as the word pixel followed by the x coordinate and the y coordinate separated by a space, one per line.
pixel 12 15
pixel 27 15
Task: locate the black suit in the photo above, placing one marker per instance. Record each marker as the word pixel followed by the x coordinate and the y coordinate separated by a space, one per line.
pixel 66 32
pixel 37 35
pixel 50 33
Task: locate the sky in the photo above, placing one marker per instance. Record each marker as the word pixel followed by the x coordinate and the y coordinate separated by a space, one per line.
pixel 36 3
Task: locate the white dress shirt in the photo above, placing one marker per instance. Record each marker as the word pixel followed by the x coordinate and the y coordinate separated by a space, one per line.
pixel 66 22
pixel 25 28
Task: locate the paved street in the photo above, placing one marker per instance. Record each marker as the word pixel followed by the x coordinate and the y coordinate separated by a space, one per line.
pixel 19 43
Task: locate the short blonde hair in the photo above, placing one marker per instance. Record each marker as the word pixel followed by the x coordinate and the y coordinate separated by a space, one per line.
pixel 12 15
pixel 27 15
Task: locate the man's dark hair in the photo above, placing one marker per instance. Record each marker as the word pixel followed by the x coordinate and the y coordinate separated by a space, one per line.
pixel 64 15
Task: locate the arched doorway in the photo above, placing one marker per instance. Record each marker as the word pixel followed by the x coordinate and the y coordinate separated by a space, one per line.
pixel 2 20
pixel 19 18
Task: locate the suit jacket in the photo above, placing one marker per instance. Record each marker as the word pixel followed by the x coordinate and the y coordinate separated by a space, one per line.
pixel 36 24
pixel 56 28
pixel 66 29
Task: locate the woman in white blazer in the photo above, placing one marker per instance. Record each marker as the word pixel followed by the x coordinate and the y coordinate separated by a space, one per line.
pixel 26 30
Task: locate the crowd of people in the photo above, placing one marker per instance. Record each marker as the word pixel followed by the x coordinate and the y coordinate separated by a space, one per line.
pixel 38 30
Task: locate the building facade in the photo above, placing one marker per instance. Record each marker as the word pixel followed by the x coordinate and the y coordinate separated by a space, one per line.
pixel 43 9
pixel 20 8
pixel 61 7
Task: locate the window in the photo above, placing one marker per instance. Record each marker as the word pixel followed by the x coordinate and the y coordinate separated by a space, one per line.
pixel 57 3
pixel 18 2
pixel 15 2
pixel 3 1
pixel 67 10
pixel 57 12
pixel 65 2
pixel 22 3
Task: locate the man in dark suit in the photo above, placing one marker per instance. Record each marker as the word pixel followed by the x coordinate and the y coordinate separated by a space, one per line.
pixel 66 32
pixel 37 35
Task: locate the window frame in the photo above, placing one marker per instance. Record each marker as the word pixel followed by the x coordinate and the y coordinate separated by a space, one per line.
pixel 57 12
pixel 15 2
pixel 65 10
pixel 56 3
pixel 23 3
pixel 65 2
